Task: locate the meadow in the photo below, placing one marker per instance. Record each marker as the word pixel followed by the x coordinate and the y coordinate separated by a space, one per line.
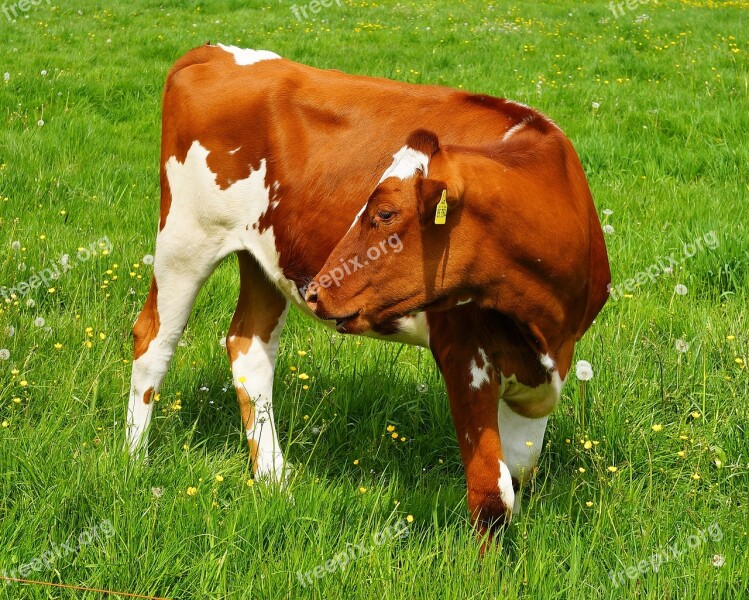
pixel 642 489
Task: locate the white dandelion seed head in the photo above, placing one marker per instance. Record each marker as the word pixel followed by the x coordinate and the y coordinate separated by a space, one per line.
pixel 668 270
pixel 222 342
pixel 21 266
pixel 681 289
pixel 6 76
pixel 583 370
pixel 608 229
pixel 64 259
pixel 39 322
pixel 44 72
pixel 40 122
pixel 10 331
pixel 147 259
pixel 682 345
pixel 30 303
pixel 595 105
pixel 4 354
pixel 608 212
pixel 422 388
pixel 15 245
pixel 718 561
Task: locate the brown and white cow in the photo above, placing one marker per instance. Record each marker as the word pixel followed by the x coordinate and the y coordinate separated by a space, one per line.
pixel 273 161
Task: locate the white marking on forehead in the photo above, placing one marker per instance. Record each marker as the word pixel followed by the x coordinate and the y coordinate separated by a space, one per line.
pixel 406 163
pixel 235 150
pixel 505 488
pixel 480 375
pixel 245 56
pixel 547 362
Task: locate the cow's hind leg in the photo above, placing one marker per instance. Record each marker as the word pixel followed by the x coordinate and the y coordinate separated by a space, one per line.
pixel 180 270
pixel 252 345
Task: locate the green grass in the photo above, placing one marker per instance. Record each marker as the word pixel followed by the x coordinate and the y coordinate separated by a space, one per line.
pixel 665 150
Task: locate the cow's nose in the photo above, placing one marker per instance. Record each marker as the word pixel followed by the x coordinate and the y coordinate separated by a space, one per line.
pixel 311 296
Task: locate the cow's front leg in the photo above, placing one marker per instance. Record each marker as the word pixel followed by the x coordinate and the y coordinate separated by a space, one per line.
pixel 472 387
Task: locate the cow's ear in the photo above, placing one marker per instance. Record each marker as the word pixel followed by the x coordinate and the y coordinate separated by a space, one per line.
pixel 435 202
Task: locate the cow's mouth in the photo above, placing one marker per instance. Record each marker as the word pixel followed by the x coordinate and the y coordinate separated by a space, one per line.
pixel 344 324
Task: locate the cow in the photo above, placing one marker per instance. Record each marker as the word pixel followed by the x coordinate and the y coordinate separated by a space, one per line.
pixel 297 170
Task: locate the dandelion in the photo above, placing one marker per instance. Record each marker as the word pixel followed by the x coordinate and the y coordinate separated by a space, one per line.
pixel 681 454
pixel 58 346
pixel 303 376
pixel 730 337
pixel 588 504
pixel 394 435
pixel 30 303
pixel 588 444
pixel 657 428
pixel 608 229
pixel 191 491
pixel 584 370
pixel 6 424
pixel 147 259
pixel 222 342
pixel 219 478
pixel 6 77
pixel 422 388
pixel 595 105
pixel 15 245
pixel 44 72
pixel 608 212
pixel 739 361
pixel 356 462
pixel 40 122
pixel 301 353
pixel 250 482
pixel 718 561
pixel 682 346
pixel 612 469
pixel 23 383
pixel 39 322
pixel 362 490
pixel 529 444
pixel 4 354
pixel 681 289
pixel 391 428
pixel 695 414
pixel 695 476
pixel 241 379
pixel 410 518
pixel 157 492
pixel 581 469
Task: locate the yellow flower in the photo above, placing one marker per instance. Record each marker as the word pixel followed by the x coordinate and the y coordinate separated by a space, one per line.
pixel 305 387
pixel 292 368
pixel 657 428
pixel 739 361
pixel 394 435
pixel 102 336
pixel 23 383
pixel 51 290
pixel 581 469
pixel 301 353
pixel 58 346
pixel 356 462
pixel 191 491
pixel 588 504
pixel 219 478
pixel 391 428
pixel 588 445
pixel 403 439
pixel 303 376
pixel 362 490
pixel 529 444
pixel 241 379
pixel 681 453
pixel 250 482
pixel 5 424
pixel 695 414
pixel 17 400
pixel 185 447
pixel 612 469
pixel 410 518
pixel 695 476
pixel 88 344
pixel 730 337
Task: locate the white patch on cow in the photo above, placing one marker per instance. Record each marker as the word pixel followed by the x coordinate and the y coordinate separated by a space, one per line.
pixel 547 362
pixel 253 371
pixel 506 492
pixel 413 329
pixel 233 152
pixel 407 162
pixel 513 130
pixel 522 440
pixel 480 375
pixel 462 302
pixel 245 56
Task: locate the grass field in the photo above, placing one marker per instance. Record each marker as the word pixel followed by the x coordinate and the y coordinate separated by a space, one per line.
pixel 655 461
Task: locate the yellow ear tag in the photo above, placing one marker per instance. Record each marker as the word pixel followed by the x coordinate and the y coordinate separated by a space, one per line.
pixel 440 217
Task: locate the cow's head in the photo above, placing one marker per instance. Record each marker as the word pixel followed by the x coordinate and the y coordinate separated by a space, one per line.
pixel 399 257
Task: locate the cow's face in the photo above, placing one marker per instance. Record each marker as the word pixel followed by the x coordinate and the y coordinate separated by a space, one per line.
pixel 398 258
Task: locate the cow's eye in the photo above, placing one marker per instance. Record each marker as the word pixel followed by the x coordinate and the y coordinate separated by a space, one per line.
pixel 385 215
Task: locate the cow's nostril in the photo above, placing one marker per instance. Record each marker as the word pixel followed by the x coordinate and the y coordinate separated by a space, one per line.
pixel 311 295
